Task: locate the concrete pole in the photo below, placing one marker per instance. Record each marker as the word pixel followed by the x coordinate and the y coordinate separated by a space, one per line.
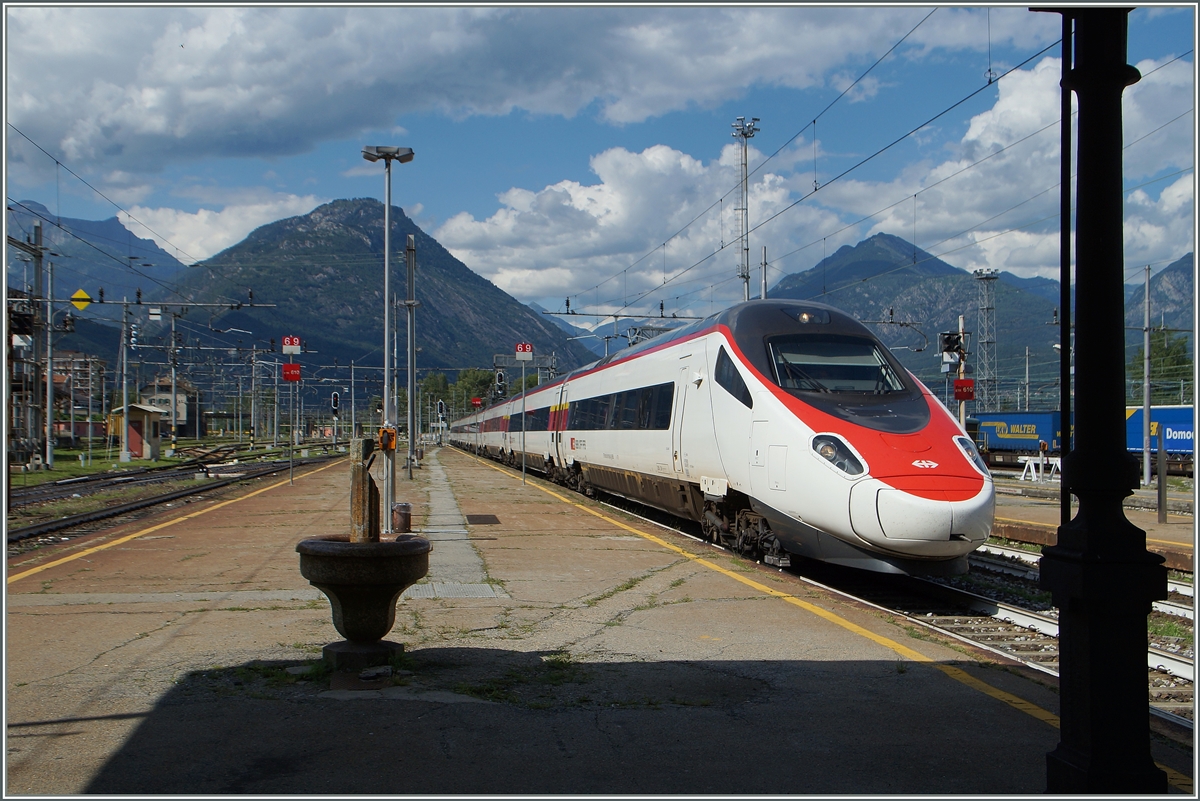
pixel 764 274
pixel 239 410
pixel 1146 384
pixel 253 392
pixel 389 482
pixel 1026 378
pixel 410 257
pixel 353 423
pixel 275 427
pixel 174 390
pixel 71 402
pixel 91 392
pixel 962 373
pixel 745 218
pixel 1101 577
pixel 50 366
pixel 37 293
pixel 125 455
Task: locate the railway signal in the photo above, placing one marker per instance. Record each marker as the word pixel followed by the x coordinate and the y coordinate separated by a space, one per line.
pixel 333 401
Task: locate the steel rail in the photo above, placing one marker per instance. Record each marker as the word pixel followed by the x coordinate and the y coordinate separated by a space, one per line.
pixel 50 526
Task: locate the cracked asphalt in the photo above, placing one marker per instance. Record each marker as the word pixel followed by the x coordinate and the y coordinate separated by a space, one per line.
pixel 608 662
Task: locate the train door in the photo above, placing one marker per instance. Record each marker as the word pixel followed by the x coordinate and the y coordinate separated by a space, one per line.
pixel 560 449
pixel 681 387
pixel 759 445
pixel 731 405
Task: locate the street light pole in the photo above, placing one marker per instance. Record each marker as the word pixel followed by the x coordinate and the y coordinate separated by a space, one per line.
pixel 410 257
pixel 404 155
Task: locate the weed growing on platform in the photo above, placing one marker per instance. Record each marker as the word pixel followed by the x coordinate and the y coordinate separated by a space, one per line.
pixel 901 667
pixel 918 633
pixel 628 585
pixel 528 686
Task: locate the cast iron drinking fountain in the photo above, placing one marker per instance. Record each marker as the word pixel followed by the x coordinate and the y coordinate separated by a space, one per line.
pixel 362 575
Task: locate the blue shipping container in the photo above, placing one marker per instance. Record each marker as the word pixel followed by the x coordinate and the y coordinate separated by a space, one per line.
pixel 1019 431
pixel 1178 423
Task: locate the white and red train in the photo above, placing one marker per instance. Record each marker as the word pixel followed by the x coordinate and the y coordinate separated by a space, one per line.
pixel 783 427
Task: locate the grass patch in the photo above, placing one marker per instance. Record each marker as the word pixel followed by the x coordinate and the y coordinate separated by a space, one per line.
pixel 1170 626
pixel 1030 547
pixel 918 633
pixel 528 686
pixel 628 585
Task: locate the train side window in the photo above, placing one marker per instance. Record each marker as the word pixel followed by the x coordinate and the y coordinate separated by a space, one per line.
pixel 731 380
pixel 660 414
pixel 625 409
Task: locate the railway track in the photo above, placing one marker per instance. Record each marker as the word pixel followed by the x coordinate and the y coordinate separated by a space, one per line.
pixel 87 485
pixel 1029 636
pixel 72 522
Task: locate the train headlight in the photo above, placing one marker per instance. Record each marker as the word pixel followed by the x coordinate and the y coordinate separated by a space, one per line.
pixel 972 453
pixel 837 453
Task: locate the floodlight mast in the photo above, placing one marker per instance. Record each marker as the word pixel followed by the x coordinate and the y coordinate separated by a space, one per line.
pixel 388 153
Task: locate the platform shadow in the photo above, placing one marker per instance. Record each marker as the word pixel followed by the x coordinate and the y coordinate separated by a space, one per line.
pixel 493 721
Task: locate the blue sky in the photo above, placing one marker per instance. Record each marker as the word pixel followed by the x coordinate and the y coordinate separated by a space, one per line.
pixel 555 147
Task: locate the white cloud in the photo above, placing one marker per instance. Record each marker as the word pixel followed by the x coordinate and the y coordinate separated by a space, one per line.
pixel 137 88
pixel 1000 212
pixel 193 236
pixel 565 238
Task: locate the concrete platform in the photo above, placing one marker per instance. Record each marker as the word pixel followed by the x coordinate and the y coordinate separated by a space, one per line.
pixel 1036 519
pixel 564 648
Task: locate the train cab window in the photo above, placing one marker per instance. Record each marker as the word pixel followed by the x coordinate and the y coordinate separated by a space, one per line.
pixel 727 376
pixel 832 363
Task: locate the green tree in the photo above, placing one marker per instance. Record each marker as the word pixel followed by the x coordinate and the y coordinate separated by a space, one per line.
pixel 1170 364
pixel 472 383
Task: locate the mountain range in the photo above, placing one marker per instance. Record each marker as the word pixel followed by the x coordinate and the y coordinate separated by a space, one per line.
pixel 886 281
pixel 323 271
pixel 319 276
pixel 90 255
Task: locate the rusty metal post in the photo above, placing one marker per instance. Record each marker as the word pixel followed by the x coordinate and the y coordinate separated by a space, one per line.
pixel 364 494
pixel 1102 578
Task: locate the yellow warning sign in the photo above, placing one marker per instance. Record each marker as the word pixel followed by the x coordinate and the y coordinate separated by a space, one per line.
pixel 81 300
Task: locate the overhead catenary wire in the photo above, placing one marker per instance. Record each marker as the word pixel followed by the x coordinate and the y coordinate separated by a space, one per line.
pixel 1022 227
pixel 118 206
pixel 780 149
pixel 860 163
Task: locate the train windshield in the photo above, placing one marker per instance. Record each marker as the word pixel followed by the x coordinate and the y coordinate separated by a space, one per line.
pixel 832 363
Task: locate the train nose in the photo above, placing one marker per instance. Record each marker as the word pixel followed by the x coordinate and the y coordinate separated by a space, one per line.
pixel 884 515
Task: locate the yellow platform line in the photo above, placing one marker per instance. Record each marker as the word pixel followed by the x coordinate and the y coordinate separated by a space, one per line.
pixel 903 650
pixel 1174 777
pixel 159 527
